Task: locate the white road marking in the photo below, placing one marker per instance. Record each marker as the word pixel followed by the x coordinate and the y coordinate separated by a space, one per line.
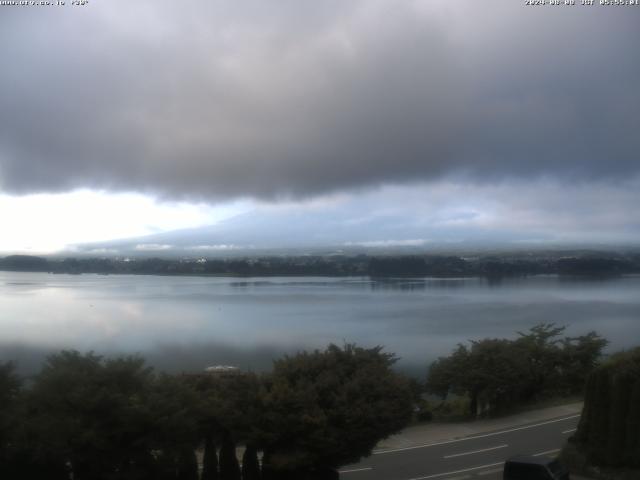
pixel 548 452
pixel 570 430
pixel 457 471
pixel 380 452
pixel 489 472
pixel 475 451
pixel 356 470
pixel 464 477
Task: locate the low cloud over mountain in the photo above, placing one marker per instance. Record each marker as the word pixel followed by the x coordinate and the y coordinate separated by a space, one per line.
pixel 423 217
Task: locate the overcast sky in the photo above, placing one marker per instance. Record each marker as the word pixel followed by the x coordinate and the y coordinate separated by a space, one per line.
pixel 123 118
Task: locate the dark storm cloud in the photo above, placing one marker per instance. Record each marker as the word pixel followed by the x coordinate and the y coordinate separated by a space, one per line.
pixel 223 99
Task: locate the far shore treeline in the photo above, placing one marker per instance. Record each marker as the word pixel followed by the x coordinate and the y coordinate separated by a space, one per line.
pixel 590 263
pixel 84 416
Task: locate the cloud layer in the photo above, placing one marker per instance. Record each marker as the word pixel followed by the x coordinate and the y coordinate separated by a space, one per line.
pixel 45 223
pixel 427 217
pixel 217 99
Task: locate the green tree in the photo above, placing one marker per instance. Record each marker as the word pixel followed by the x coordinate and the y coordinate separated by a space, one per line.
pixel 209 459
pixel 580 356
pixel 250 464
pixel 609 429
pixel 540 346
pixel 494 375
pixel 490 373
pixel 229 466
pixel 498 373
pixel 90 413
pixel 447 374
pixel 187 465
pixel 9 392
pixel 63 406
pixel 231 410
pixel 328 408
pixel 175 410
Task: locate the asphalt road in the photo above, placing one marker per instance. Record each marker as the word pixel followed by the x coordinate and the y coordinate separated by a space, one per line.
pixel 478 457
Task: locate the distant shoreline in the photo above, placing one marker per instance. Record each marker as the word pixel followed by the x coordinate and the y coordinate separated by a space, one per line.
pixel 590 264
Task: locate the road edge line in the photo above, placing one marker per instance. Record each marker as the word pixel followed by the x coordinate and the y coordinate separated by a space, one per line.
pixel 426 445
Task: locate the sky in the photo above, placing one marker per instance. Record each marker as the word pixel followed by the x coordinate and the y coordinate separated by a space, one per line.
pixel 474 120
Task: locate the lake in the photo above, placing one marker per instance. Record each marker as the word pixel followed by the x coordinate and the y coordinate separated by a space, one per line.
pixel 192 322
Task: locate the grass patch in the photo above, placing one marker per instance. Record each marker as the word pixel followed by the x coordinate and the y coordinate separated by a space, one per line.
pixel 456 408
pixel 543 403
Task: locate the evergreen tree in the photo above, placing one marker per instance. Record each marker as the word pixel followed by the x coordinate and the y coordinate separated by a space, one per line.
pixel 250 464
pixel 608 430
pixel 9 391
pixel 187 465
pixel 229 467
pixel 210 460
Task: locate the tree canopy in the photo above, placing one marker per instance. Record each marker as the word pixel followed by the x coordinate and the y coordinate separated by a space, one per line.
pixel 609 429
pixel 89 417
pixel 497 374
pixel 331 407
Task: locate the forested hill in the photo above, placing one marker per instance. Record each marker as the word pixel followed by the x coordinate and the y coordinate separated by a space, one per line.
pixel 581 264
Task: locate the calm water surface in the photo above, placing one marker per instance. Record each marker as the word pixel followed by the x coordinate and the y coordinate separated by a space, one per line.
pixel 192 322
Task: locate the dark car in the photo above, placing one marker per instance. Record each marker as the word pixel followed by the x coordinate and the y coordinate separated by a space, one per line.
pixel 534 468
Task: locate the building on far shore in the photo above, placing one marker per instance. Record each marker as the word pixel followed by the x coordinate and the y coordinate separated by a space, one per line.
pixel 223 370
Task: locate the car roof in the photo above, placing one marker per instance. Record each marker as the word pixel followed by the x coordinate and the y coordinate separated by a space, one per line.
pixel 531 460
